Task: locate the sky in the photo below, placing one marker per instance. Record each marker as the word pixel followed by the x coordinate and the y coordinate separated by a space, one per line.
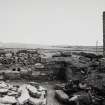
pixel 52 22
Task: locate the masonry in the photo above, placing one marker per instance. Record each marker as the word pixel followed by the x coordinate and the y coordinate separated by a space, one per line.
pixel 104 33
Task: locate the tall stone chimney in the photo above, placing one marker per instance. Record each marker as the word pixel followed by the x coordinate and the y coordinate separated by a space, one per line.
pixel 104 33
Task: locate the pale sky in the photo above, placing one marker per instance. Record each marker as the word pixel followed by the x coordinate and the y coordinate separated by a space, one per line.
pixel 52 22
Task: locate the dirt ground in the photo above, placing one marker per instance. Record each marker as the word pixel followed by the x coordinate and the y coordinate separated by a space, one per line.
pixel 51 93
pixel 50 90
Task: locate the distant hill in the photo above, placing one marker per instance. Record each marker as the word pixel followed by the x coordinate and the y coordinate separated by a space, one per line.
pixel 21 45
pixel 57 47
pixel 90 49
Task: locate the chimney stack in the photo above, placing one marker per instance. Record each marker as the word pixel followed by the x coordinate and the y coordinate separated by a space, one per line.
pixel 104 34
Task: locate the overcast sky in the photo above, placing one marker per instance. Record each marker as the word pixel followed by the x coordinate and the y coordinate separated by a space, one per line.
pixel 52 22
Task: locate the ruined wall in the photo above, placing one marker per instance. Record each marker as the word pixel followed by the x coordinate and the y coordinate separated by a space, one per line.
pixel 104 34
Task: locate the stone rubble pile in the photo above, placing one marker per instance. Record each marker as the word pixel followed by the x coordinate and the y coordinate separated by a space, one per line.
pixel 81 93
pixel 26 94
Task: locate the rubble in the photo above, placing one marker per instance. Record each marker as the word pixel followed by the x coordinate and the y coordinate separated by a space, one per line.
pixel 82 92
pixel 13 95
pixel 85 80
pixel 83 74
pixel 61 96
pixel 39 65
pixel 8 100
